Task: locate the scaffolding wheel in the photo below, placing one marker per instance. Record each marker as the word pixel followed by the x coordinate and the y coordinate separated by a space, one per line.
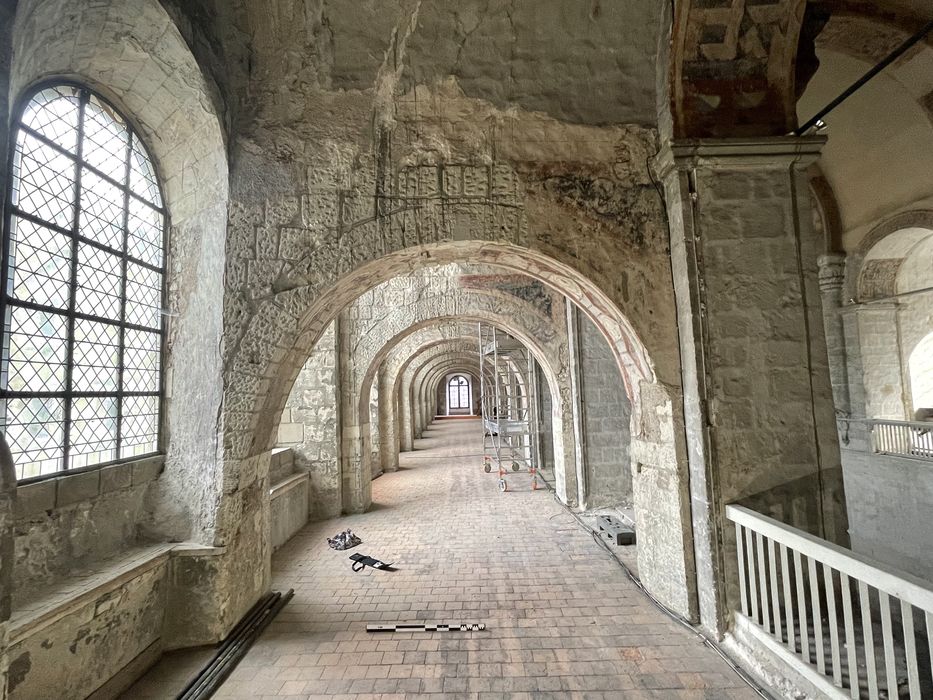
pixel 516 466
pixel 503 485
pixel 487 467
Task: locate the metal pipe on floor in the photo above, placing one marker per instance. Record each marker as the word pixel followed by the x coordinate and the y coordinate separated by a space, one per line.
pixel 193 689
pixel 234 648
pixel 208 678
pixel 235 633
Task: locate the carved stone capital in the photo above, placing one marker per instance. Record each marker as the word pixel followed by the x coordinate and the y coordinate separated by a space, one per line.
pixel 832 272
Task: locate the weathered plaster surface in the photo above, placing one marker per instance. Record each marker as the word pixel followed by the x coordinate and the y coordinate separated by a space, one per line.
pixel 132 52
pixel 606 422
pixel 310 423
pixel 759 409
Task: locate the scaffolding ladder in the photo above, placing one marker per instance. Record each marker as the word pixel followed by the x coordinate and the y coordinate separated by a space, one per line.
pixel 508 405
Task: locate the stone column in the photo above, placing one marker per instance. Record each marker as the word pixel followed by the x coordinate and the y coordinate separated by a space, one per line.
pixel 417 408
pixel 832 268
pixel 576 403
pixel 356 486
pixel 534 406
pixel 413 402
pixel 375 436
pixel 758 406
pixel 882 376
pixel 388 423
pixel 406 443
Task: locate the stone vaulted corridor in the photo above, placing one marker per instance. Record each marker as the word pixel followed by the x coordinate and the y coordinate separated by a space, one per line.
pixel 561 620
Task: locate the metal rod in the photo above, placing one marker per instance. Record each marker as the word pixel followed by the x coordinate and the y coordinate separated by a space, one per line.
pixel 73 286
pixel 854 87
pixel 235 633
pixel 239 651
pixel 222 664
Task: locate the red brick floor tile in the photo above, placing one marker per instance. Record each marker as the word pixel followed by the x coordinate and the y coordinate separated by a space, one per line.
pixel 562 620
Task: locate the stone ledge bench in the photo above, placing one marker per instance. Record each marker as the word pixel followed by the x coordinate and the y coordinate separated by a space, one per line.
pixel 110 619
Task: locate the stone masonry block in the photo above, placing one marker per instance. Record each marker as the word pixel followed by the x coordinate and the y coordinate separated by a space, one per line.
pixel 729 186
pixel 118 476
pixel 476 181
pixel 77 487
pixel 35 498
pixel 724 220
pixel 147 469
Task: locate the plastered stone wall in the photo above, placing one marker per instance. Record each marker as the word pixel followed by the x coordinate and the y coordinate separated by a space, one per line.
pixel 894 536
pixel 7 470
pixel 77 521
pixel 428 344
pixel 427 381
pixel 889 311
pixel 87 646
pixel 374 433
pixel 309 426
pixel 281 465
pixel 367 330
pixel 606 419
pixel 289 507
pixel 132 53
pixel 882 373
pixel 915 322
pixel 442 400
pixel 544 413
pixel 759 411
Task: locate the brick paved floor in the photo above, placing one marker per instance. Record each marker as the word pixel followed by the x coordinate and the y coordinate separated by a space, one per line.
pixel 562 619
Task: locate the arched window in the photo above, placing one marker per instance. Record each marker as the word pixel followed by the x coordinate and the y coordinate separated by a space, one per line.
pixel 84 232
pixel 458 393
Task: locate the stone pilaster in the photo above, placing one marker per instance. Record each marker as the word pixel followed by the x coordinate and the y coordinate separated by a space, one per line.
pixel 757 395
pixel 832 268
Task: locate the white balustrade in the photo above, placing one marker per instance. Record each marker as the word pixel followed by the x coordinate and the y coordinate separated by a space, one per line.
pixel 794 586
pixel 905 438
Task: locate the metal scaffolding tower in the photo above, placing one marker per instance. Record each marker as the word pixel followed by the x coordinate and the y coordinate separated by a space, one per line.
pixel 508 404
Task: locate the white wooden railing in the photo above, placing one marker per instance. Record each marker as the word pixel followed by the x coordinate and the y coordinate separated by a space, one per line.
pixel 898 437
pixel 792 586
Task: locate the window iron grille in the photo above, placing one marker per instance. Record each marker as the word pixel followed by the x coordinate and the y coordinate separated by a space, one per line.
pixel 458 393
pixel 82 281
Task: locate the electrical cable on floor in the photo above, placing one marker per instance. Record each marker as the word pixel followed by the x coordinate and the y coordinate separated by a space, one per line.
pixel 739 671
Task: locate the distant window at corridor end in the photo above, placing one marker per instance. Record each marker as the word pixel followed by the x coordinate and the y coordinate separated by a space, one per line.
pixel 458 393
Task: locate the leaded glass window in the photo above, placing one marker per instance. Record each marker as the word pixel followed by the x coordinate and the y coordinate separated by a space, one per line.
pixel 458 393
pixel 80 372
